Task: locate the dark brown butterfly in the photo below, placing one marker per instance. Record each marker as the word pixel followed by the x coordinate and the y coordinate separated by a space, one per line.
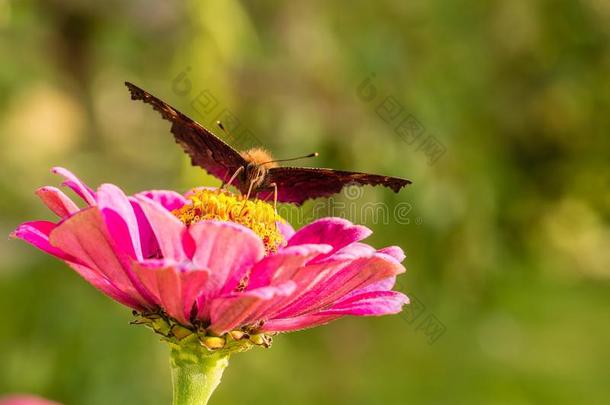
pixel 255 171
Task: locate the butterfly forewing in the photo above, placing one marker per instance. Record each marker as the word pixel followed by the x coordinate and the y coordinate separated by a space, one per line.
pixel 205 149
pixel 294 184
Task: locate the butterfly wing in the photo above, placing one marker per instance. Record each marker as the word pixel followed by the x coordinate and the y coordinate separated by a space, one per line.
pixel 205 149
pixel 297 184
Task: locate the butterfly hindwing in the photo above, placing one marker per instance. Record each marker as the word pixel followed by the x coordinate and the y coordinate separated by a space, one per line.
pixel 297 184
pixel 205 149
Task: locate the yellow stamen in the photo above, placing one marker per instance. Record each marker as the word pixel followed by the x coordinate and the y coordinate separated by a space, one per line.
pixel 225 206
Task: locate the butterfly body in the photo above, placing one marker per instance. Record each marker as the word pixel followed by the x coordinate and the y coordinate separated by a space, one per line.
pixel 255 175
pixel 254 172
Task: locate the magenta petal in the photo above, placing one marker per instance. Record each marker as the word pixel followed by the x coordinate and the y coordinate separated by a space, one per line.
pixel 298 323
pixel 36 233
pixel 76 185
pixel 371 303
pixel 383 285
pixel 285 229
pixel 170 200
pixel 374 303
pixel 307 278
pixel 228 250
pixel 85 237
pixel 394 251
pixel 245 308
pixel 283 265
pixel 57 201
pixel 337 232
pixel 148 240
pixel 352 251
pixel 356 274
pixel 120 219
pixel 175 287
pixel 167 228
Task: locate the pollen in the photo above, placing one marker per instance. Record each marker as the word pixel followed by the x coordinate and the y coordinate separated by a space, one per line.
pixel 222 205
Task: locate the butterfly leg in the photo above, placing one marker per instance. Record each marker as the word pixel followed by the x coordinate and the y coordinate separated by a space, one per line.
pixel 247 197
pixel 274 185
pixel 237 172
pixel 249 190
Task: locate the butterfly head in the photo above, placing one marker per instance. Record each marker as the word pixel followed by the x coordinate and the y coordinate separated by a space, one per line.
pixel 259 157
pixel 259 162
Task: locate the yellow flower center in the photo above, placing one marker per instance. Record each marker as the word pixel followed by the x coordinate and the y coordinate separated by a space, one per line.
pixel 224 206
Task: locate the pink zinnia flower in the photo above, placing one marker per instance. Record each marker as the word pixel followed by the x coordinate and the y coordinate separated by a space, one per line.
pixel 214 268
pixel 138 252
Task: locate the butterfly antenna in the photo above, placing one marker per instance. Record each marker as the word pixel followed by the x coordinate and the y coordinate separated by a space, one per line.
pixel 315 154
pixel 225 130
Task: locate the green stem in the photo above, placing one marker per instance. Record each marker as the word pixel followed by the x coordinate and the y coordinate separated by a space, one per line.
pixel 195 374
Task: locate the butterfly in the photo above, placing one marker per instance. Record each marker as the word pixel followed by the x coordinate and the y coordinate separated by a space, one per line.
pixel 255 172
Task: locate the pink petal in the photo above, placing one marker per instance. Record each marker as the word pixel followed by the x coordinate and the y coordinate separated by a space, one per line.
pixel 84 236
pixel 120 219
pixel 357 274
pixel 175 287
pixel 148 240
pixel 303 276
pixel 307 278
pixel 167 228
pixel 352 251
pixel 228 250
pixel 383 285
pixel 337 232
pixel 244 308
pixel 356 250
pixel 36 233
pixel 297 323
pixel 284 264
pixel 57 201
pixel 371 303
pixel 170 200
pixel 394 251
pixel 374 303
pixel 286 229
pixel 76 185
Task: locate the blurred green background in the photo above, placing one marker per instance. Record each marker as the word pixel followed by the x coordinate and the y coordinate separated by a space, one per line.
pixel 507 233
